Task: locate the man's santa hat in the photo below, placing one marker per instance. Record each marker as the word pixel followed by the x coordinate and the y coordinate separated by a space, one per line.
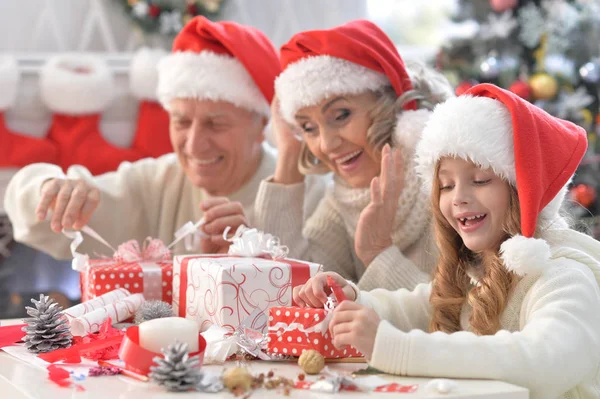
pixel 220 61
pixel 350 59
pixel 534 151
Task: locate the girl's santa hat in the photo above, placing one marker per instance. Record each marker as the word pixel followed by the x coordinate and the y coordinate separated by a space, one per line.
pixel 534 151
pixel 220 61
pixel 350 59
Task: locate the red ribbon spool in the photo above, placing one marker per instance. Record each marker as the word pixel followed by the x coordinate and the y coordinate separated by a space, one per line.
pixel 139 360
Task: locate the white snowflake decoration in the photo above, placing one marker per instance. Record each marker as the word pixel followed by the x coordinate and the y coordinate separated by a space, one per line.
pixel 555 19
pixel 170 22
pixel 570 103
pixel 532 25
pixel 561 19
pixel 498 26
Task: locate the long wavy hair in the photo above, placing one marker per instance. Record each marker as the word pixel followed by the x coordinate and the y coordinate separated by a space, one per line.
pixel 451 286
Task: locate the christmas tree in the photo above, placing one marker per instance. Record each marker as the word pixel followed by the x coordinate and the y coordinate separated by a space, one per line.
pixel 545 51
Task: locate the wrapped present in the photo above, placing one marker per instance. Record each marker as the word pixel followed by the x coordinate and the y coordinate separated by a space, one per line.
pixel 146 269
pixel 224 290
pixel 293 330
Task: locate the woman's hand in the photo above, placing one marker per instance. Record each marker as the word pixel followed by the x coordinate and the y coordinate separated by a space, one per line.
pixel 376 221
pixel 289 144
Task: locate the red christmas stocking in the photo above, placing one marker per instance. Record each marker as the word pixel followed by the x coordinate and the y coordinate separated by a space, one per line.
pixel 18 150
pixel 152 131
pixel 77 89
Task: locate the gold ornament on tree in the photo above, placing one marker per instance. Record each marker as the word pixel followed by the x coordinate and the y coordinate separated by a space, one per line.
pixel 543 86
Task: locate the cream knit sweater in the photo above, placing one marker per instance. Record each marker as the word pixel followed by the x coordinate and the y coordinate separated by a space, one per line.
pixel 550 337
pixel 151 197
pixel 327 237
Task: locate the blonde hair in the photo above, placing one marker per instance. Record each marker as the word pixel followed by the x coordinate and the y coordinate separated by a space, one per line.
pixel 429 88
pixel 450 280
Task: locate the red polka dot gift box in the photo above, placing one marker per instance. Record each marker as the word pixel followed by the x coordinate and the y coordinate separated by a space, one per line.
pixel 144 270
pixel 293 330
pixel 153 279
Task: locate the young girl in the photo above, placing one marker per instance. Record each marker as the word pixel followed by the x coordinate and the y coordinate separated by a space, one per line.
pixel 515 295
pixel 359 110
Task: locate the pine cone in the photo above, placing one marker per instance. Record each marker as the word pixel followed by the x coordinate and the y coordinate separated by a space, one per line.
pixel 177 371
pixel 47 329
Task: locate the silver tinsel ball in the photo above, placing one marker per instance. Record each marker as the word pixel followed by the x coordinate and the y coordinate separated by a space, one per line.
pixel 153 310
pixel 590 72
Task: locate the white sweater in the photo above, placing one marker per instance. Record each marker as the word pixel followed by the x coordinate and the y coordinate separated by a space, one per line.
pixel 550 337
pixel 151 197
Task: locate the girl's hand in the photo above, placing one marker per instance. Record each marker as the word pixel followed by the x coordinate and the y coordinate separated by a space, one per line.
pixel 314 293
pixel 355 325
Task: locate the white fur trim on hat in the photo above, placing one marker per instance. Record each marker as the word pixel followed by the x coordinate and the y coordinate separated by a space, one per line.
pixel 9 81
pixel 409 128
pixel 523 255
pixel 478 129
pixel 76 84
pixel 209 76
pixel 143 73
pixel 312 79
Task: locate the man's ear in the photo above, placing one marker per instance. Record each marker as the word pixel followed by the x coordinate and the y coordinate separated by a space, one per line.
pixel 263 124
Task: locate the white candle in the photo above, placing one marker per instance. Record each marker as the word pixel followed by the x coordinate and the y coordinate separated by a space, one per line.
pixel 160 333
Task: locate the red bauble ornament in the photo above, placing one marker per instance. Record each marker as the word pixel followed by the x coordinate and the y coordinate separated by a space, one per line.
pixel 584 194
pixel 503 5
pixel 521 89
pixel 464 86
pixel 154 11
pixel 192 9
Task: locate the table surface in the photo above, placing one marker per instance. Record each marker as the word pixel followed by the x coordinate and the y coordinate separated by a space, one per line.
pixel 19 379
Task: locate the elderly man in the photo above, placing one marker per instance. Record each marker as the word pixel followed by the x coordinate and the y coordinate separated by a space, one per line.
pixel 217 86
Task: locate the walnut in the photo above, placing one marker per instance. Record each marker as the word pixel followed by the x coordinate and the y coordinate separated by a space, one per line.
pixel 238 379
pixel 311 361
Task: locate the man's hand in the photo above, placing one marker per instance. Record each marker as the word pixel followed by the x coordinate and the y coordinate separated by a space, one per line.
pixel 219 213
pixel 72 201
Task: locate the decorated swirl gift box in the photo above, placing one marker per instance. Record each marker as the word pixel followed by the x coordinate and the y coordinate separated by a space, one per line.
pixel 224 290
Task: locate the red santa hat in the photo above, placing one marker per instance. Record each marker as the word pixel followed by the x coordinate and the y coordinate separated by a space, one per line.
pixel 350 59
pixel 534 151
pixel 220 61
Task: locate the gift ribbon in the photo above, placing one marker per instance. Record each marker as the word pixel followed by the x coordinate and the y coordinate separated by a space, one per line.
pixel 321 327
pixel 251 243
pixel 147 256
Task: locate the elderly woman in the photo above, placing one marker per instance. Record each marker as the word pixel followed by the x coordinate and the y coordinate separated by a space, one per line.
pixel 348 104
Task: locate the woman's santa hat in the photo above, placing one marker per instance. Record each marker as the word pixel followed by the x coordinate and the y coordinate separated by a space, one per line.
pixel 220 61
pixel 534 151
pixel 350 59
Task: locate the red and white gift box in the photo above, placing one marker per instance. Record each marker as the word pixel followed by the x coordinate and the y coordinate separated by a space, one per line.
pixel 224 290
pixel 141 269
pixel 153 279
pixel 293 330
